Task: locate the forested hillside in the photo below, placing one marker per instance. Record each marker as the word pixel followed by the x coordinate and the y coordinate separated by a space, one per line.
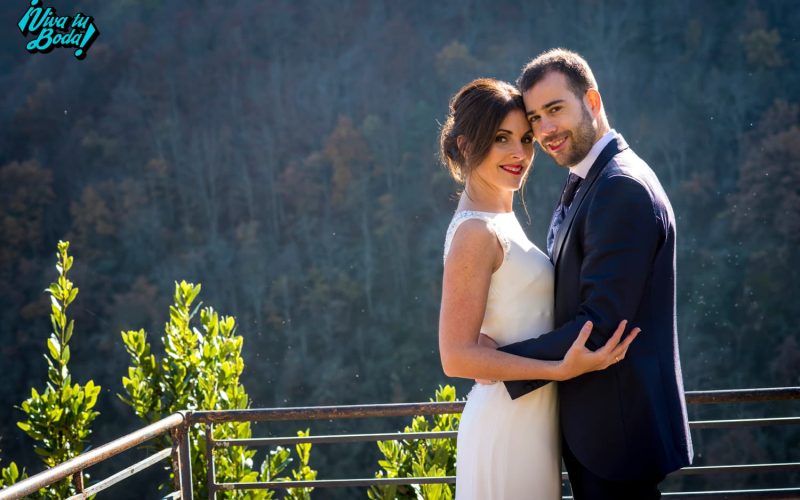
pixel 283 154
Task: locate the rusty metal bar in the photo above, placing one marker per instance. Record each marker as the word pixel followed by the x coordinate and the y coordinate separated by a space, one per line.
pixel 336 438
pixel 175 459
pixel 326 412
pixel 123 474
pixel 438 408
pixel 743 395
pixel 211 473
pixel 91 457
pixel 77 480
pixel 185 462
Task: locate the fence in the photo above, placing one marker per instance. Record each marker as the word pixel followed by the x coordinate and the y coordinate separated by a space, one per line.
pixel 179 425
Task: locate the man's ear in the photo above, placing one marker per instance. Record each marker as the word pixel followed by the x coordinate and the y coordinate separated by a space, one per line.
pixel 593 101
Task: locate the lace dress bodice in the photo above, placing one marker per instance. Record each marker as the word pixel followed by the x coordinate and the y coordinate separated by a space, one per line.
pixel 520 300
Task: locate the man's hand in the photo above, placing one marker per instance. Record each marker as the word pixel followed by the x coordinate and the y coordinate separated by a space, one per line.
pixel 486 341
pixel 580 360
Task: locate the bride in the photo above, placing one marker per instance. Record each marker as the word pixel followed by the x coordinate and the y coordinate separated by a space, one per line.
pixel 498 283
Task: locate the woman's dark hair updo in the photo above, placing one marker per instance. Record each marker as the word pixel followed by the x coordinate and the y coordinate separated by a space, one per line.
pixel 476 112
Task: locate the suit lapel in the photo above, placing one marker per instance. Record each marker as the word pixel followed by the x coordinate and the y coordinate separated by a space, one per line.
pixel 614 147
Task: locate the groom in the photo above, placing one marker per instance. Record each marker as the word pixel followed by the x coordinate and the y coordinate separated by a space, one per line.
pixel 612 242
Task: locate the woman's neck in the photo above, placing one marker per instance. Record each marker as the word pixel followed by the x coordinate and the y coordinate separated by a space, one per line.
pixel 482 199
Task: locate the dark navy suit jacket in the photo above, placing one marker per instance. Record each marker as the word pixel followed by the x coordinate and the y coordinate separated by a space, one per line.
pixel 614 259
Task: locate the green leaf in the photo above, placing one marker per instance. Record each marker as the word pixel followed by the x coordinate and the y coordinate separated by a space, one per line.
pixel 55 304
pixel 54 290
pixel 68 334
pixel 72 295
pixel 175 316
pixel 53 346
pixel 92 392
pixel 14 473
pixel 193 292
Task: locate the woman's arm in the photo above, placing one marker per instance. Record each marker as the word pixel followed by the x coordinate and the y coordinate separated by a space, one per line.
pixel 474 254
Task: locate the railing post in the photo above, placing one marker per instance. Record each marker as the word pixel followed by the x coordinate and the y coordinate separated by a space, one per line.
pixel 185 461
pixel 211 469
pixel 77 480
pixel 175 458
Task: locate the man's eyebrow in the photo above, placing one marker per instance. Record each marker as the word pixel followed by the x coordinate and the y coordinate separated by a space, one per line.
pixel 547 105
pixel 553 103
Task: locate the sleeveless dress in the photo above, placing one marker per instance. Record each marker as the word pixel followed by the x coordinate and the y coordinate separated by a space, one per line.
pixel 510 450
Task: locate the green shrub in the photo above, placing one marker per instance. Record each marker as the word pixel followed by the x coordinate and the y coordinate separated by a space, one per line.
pixel 10 475
pixel 200 371
pixel 420 457
pixel 303 472
pixel 59 418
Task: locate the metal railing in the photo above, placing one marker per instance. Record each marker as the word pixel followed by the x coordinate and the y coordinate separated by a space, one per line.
pixel 179 424
pixel 176 424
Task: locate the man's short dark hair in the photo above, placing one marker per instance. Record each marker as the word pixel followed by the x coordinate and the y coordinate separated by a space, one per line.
pixel 570 64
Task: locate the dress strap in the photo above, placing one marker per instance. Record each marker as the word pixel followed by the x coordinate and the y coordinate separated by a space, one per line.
pixel 465 215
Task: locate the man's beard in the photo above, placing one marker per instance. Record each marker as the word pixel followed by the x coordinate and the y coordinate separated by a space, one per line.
pixel 583 138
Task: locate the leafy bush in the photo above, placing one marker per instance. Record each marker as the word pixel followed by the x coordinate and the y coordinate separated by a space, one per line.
pixel 10 475
pixel 59 418
pixel 200 371
pixel 420 457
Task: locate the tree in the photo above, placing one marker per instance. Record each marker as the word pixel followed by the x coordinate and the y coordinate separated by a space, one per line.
pixel 201 370
pixel 60 418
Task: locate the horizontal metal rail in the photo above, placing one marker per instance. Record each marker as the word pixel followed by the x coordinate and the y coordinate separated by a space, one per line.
pixel 437 408
pixel 336 438
pixel 91 457
pixel 442 408
pixel 760 494
pixel 325 412
pixel 743 395
pixel 736 469
pixel 338 483
pixel 178 424
pixel 405 436
pixel 743 422
pixel 123 474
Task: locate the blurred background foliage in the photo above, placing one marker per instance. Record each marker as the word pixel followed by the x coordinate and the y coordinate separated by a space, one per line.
pixel 284 154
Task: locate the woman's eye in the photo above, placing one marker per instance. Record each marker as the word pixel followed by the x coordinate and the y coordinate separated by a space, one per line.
pixel 500 138
pixel 527 139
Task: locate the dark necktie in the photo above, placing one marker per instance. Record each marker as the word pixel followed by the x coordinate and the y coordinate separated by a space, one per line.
pixel 567 195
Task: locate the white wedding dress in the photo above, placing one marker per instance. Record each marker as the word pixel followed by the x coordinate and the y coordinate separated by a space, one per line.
pixel 510 450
